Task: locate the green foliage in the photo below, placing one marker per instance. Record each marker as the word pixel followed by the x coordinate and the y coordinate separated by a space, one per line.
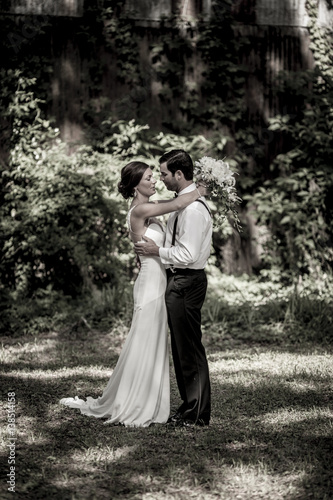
pixel 296 203
pixel 224 76
pixel 123 139
pixel 25 46
pixel 170 55
pixel 213 47
pixel 293 195
pixel 119 38
pixel 62 225
pixel 293 207
pixel 130 139
pixel 264 311
pixel 56 209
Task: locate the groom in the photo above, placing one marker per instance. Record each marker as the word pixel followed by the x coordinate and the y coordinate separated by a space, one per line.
pixel 185 255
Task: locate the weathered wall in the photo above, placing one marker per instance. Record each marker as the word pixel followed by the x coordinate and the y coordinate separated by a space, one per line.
pixel 276 30
pixel 43 7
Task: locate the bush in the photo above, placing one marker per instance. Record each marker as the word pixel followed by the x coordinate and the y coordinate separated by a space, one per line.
pixel 62 224
pixel 296 202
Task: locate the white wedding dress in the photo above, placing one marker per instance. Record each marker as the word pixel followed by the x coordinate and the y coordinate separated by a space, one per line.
pixel 138 391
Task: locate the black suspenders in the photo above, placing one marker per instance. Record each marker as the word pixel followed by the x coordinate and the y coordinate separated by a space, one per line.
pixel 176 220
pixel 204 204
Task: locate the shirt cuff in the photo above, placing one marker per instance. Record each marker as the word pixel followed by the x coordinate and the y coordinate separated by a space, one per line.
pixel 164 255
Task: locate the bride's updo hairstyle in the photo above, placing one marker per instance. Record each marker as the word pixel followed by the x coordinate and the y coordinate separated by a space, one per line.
pixel 131 175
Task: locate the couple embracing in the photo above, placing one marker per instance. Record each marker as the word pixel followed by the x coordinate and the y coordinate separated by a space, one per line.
pixel 170 290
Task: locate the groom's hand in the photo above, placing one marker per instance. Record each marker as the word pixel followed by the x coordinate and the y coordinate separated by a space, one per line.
pixel 146 247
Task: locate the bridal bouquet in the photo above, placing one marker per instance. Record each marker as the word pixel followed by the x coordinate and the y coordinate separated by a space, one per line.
pixel 220 179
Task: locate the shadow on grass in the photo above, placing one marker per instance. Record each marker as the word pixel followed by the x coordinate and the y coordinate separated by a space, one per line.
pixel 55 351
pixel 269 436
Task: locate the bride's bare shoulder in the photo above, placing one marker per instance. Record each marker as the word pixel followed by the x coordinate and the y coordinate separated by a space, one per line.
pixel 141 209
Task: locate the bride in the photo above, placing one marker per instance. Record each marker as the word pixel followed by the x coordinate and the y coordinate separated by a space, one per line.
pixel 138 392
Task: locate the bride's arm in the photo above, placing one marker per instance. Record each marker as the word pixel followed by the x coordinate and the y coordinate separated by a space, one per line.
pixel 166 206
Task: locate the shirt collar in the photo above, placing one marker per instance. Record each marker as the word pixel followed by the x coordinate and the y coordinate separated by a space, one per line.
pixel 188 189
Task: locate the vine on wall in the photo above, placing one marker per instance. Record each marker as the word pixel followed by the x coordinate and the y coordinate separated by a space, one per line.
pixel 297 204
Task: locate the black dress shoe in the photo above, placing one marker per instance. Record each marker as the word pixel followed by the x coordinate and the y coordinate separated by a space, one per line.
pixel 173 419
pixel 183 422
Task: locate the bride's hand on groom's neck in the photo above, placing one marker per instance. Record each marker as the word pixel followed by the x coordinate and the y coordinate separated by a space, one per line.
pixel 203 189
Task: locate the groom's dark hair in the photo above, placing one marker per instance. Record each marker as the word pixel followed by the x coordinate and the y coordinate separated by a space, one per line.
pixel 178 159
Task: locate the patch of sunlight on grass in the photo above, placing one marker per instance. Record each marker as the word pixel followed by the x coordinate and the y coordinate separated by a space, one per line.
pixel 272 363
pixel 91 371
pixel 238 481
pixel 35 437
pixel 10 353
pixel 287 416
pixel 180 493
pixel 26 432
pixel 97 454
pixel 93 460
pixel 245 445
pixel 64 479
pixel 182 483
pixel 244 481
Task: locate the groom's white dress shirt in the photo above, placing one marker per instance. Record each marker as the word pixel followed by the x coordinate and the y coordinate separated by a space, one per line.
pixel 193 236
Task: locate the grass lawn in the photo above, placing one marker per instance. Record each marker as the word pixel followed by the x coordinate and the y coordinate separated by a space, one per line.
pixel 271 433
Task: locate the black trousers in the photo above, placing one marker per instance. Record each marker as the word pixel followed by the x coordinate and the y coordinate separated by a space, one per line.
pixel 185 295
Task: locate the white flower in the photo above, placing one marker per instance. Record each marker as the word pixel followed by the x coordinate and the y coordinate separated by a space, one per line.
pixel 221 182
